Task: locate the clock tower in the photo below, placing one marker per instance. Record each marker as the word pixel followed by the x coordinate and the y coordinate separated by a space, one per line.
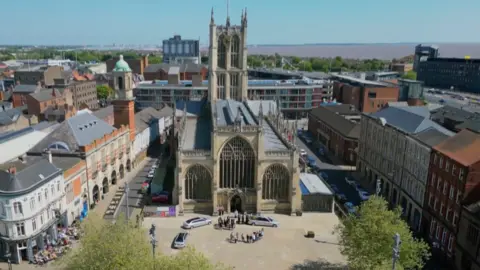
pixel 123 105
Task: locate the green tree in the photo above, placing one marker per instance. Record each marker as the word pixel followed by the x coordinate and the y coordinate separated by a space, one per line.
pixel 104 91
pixel 121 245
pixel 155 60
pixel 305 66
pixel 366 239
pixel 410 75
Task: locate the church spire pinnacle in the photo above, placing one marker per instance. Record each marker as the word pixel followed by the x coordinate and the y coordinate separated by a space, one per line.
pixel 244 21
pixel 228 13
pixel 212 20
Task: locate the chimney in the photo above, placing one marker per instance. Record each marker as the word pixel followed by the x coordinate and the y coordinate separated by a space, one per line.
pixel 12 170
pixel 49 155
pixel 145 61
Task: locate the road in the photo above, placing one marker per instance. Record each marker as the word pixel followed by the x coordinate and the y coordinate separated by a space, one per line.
pixel 456 103
pixel 336 175
pixel 135 186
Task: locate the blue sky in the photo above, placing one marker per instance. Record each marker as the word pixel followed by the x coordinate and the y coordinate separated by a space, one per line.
pixel 270 21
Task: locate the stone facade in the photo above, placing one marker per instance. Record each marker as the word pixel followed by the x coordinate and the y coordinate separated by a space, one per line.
pixel 238 171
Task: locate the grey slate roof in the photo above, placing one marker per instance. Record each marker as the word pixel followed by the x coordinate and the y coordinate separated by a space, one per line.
pixel 197 134
pixel 46 94
pixel 407 121
pixel 336 121
pixel 144 117
pixel 227 110
pixel 26 88
pixel 77 131
pixel 431 136
pixel 9 117
pixel 193 106
pixel 267 106
pixel 104 112
pixel 29 178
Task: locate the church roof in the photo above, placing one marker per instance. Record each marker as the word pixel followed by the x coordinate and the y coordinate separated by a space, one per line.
pixel 227 110
pixel 122 66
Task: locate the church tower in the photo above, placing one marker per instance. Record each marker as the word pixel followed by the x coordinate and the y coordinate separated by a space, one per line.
pixel 228 75
pixel 123 105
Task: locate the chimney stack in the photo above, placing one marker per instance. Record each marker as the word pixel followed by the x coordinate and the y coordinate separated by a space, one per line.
pixel 12 170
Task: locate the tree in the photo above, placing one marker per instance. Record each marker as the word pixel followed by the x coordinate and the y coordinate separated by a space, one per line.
pixel 121 245
pixel 155 59
pixel 104 91
pixel 366 239
pixel 410 75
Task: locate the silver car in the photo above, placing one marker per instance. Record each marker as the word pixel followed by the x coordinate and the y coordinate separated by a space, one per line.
pixel 180 240
pixel 264 221
pixel 196 222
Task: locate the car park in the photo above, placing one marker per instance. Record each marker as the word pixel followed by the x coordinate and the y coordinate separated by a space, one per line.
pixel 350 181
pixel 364 196
pixel 311 161
pixel 341 197
pixel 303 152
pixel 324 175
pixel 180 240
pixel 263 221
pixel 350 207
pixel 335 188
pixel 196 222
pixel 151 175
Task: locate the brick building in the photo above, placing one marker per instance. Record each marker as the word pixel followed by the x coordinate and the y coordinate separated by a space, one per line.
pixel 338 128
pixel 20 93
pixel 366 96
pixel 452 181
pixel 137 65
pixel 47 100
pixel 43 74
pixel 468 238
pixel 186 71
pixel 83 89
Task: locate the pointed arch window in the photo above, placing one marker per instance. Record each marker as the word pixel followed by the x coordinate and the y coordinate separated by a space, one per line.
pixel 222 51
pixel 237 164
pixel 275 184
pixel 235 52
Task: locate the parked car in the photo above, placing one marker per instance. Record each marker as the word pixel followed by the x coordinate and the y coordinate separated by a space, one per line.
pixel 196 222
pixel 311 161
pixel 335 188
pixel 151 175
pixel 324 175
pixel 350 181
pixel 303 152
pixel 263 221
pixel 341 197
pixel 364 195
pixel 350 207
pixel 154 166
pixel 160 197
pixel 358 187
pixel 180 240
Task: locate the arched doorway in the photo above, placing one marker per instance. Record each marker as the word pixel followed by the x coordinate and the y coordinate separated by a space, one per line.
pixel 95 193
pixel 129 165
pixel 237 164
pixel 198 183
pixel 236 203
pixel 276 183
pixel 105 185
pixel 121 171
pixel 114 178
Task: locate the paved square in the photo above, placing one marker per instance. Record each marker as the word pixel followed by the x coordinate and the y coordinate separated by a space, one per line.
pixel 281 248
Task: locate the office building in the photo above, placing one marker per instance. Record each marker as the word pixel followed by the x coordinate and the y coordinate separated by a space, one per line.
pixel 181 51
pixel 423 53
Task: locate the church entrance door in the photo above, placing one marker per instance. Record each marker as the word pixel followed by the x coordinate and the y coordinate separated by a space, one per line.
pixel 236 204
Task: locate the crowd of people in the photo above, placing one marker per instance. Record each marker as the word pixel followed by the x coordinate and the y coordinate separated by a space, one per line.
pixel 247 238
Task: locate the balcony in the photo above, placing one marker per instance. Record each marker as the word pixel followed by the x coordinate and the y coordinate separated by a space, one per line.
pixel 104 167
pixel 120 155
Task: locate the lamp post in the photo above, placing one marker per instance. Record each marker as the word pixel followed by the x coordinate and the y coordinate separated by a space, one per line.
pixel 126 199
pixel 379 187
pixel 396 250
pixel 153 241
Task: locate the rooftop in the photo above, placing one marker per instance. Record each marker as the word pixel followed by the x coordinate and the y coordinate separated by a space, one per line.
pixel 360 81
pixel 27 178
pixel 104 112
pixel 431 137
pixel 9 117
pixel 333 117
pixel 410 120
pixel 74 132
pixel 462 147
pixel 181 68
pixel 158 84
pixel 313 184
pixel 46 94
pixel 144 117
pixel 229 110
pixel 25 88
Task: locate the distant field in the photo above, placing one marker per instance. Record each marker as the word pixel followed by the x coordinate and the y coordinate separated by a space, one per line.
pixel 365 51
